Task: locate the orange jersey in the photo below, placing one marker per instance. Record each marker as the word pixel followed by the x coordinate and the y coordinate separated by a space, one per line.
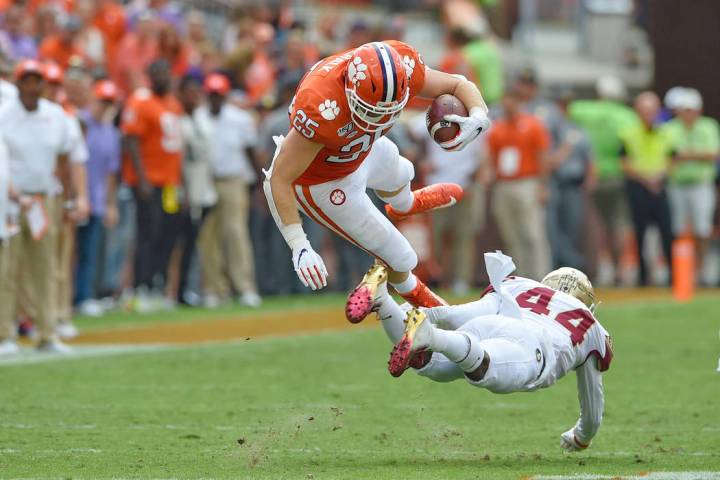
pixel 110 20
pixel 321 114
pixel 155 121
pixel 52 48
pixel 516 147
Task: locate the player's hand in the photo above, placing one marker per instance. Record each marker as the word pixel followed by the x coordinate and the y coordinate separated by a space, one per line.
pixel 309 266
pixel 570 443
pixel 470 128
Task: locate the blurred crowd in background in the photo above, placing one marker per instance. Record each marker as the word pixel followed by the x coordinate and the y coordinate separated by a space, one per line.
pixel 135 136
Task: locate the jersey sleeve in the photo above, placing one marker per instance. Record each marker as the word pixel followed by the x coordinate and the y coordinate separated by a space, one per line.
pixel 592 401
pixel 133 118
pixel 307 118
pixel 414 65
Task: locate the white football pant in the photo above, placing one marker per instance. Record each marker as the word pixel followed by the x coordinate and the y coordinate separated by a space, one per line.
pixel 343 205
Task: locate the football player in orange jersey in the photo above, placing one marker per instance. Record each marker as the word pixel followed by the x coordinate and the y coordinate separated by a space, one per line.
pixel 336 149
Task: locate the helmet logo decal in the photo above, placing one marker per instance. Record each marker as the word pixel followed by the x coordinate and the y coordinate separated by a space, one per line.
pixel 356 70
pixel 329 109
pixel 409 65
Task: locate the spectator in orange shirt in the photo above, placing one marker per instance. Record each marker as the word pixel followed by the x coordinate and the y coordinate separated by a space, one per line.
pixel 110 20
pixel 134 54
pixel 90 39
pixel 518 145
pixel 173 49
pixel 153 144
pixel 61 47
pixel 260 75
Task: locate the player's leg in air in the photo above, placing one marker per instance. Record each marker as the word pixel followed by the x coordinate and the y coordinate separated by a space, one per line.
pixel 388 174
pixel 343 206
pixel 491 351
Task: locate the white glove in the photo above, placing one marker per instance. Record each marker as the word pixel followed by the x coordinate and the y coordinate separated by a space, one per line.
pixel 470 128
pixel 570 443
pixel 309 266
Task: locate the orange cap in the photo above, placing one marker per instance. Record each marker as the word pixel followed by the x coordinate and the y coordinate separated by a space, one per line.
pixel 217 83
pixel 53 73
pixel 28 67
pixel 106 90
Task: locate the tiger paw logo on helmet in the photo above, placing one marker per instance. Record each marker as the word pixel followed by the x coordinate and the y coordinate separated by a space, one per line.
pixel 329 109
pixel 356 70
pixel 409 65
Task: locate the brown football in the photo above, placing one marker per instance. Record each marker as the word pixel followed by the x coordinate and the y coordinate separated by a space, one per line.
pixel 441 130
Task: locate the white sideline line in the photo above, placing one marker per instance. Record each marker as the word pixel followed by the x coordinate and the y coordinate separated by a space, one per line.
pixel 649 476
pixel 28 355
pixel 473 453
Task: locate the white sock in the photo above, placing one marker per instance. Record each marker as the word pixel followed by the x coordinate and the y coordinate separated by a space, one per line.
pixel 454 345
pixel 435 315
pixel 401 201
pixel 458 348
pixel 407 285
pixel 392 318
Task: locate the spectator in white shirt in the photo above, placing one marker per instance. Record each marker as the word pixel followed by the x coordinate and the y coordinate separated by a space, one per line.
pixel 233 137
pixel 33 161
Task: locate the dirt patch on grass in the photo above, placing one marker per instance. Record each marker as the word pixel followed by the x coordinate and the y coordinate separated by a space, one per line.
pixel 287 323
pixel 283 323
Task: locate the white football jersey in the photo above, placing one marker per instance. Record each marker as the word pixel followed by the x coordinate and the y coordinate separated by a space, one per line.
pixel 573 331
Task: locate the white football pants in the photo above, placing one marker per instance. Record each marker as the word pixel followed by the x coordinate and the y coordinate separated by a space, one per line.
pixel 514 348
pixel 344 207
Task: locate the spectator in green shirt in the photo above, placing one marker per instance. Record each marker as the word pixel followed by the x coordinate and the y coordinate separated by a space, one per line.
pixel 646 155
pixel 696 142
pixel 602 120
pixel 484 57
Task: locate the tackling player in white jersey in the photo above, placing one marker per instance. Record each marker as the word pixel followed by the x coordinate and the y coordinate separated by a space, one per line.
pixel 520 336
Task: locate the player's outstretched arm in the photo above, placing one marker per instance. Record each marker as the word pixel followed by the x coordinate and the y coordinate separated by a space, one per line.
pixel 295 156
pixel 592 403
pixel 438 83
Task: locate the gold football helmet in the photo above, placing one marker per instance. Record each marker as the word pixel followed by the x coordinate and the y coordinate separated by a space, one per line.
pixel 574 283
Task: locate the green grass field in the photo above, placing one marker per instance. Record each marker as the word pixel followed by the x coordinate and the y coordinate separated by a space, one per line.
pixel 324 407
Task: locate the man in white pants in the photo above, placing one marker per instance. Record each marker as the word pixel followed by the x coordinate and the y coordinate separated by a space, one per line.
pixel 522 335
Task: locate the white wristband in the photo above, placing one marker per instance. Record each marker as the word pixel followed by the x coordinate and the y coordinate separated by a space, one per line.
pixel 293 234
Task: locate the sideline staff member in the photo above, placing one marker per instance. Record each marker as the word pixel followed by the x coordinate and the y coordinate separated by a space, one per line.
pixel 33 159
